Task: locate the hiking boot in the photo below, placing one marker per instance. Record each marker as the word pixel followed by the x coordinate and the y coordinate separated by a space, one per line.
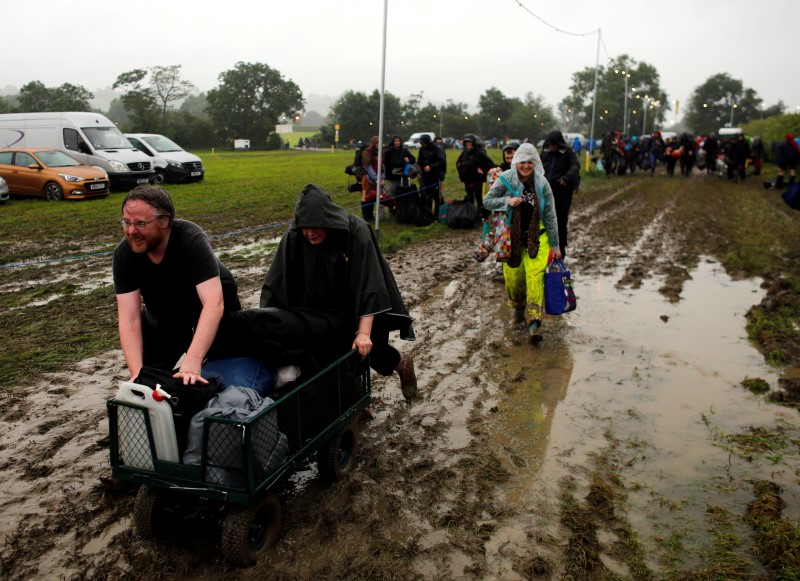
pixel 408 378
pixel 535 336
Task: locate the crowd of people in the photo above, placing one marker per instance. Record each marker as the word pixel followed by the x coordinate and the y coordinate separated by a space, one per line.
pixel 178 305
pixel 728 156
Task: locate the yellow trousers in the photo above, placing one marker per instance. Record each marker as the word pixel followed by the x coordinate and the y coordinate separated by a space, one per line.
pixel 525 283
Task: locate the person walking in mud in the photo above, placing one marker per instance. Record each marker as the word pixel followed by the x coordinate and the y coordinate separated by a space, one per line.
pixel 329 261
pixel 563 172
pixel 534 234
pixel 173 294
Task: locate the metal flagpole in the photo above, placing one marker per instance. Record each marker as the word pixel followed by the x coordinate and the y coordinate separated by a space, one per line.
pixel 594 99
pixel 377 207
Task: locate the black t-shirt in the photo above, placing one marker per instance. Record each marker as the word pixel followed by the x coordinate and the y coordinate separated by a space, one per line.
pixel 168 289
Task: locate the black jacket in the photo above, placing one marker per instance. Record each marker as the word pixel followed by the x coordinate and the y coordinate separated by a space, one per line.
pixel 562 163
pixel 394 162
pixel 433 156
pixel 470 161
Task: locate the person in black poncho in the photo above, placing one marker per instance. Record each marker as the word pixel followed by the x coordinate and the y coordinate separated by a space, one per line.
pixel 329 261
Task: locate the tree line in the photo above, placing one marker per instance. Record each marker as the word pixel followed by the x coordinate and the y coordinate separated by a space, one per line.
pixel 252 98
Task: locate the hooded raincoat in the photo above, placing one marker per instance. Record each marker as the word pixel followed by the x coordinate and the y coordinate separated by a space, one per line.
pixel 525 283
pixel 345 275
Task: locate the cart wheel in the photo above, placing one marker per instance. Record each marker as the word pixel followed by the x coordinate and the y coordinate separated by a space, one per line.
pixel 249 531
pixel 337 457
pixel 148 511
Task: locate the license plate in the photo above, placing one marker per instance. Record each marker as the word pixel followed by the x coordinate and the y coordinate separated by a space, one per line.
pixel 97 186
pixel 196 173
pixel 142 181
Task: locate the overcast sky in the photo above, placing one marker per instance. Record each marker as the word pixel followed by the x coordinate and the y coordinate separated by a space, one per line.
pixel 444 49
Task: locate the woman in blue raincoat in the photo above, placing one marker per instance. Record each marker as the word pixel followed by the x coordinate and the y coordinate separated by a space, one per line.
pixel 534 234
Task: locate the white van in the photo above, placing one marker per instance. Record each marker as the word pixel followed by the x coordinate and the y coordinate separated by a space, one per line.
pixel 173 164
pixel 90 138
pixel 413 141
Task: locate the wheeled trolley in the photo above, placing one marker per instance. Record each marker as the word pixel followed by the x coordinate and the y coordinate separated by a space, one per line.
pixel 243 460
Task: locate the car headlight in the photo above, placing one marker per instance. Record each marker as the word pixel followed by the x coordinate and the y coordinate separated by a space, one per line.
pixel 174 163
pixel 70 178
pixel 116 165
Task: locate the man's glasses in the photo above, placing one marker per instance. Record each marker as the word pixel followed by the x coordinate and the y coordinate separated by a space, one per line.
pixel 138 224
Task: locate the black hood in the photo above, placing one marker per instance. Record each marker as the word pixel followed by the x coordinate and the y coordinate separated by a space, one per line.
pixel 316 209
pixel 555 137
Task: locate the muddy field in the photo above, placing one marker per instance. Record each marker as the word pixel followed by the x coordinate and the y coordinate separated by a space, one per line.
pixel 624 446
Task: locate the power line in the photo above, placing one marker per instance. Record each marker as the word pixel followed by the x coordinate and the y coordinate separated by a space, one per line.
pixel 543 21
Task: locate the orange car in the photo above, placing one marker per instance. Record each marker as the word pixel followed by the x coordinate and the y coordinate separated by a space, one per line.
pixel 50 173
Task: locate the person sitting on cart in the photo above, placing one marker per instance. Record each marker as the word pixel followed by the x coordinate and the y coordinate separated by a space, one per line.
pixel 329 260
pixel 168 265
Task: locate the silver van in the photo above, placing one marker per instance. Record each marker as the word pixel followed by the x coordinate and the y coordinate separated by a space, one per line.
pixel 173 164
pixel 90 138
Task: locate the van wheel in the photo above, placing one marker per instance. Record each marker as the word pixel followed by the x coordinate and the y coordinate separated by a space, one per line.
pixel 52 192
pixel 159 178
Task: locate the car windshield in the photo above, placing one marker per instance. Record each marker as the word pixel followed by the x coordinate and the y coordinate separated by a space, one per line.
pixel 161 144
pixel 56 159
pixel 107 138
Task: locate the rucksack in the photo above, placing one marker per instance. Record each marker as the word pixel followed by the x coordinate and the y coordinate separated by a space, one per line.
pixel 461 214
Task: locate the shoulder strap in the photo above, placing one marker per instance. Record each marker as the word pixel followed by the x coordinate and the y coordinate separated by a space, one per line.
pixel 508 186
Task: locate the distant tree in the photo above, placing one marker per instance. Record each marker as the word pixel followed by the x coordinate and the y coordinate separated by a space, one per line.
pixel 410 111
pixel 611 97
pixel 139 101
pixel 495 110
pixel 194 131
pixel 5 105
pixel 249 101
pixel 358 117
pixel 168 87
pixel 532 118
pixel 118 113
pixel 35 97
pixel 69 97
pixel 196 105
pixel 721 101
pixel 311 119
pixel 456 120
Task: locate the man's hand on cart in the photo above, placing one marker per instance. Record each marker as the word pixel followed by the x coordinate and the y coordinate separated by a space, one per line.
pixel 363 343
pixel 189 371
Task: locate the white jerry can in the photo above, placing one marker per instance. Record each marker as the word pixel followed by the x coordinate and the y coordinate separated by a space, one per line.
pixel 134 446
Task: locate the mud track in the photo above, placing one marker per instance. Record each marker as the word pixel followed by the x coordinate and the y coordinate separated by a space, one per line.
pixel 490 473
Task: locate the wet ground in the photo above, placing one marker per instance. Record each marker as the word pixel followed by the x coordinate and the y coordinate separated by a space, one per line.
pixel 623 445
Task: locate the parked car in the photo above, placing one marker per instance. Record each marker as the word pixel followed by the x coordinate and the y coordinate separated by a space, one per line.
pixel 3 191
pixel 52 174
pixel 413 140
pixel 90 138
pixel 172 163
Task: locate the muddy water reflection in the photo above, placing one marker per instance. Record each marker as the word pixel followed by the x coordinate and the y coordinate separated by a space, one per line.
pixel 630 366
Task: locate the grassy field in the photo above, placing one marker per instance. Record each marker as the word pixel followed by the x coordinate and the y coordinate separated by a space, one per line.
pixel 241 190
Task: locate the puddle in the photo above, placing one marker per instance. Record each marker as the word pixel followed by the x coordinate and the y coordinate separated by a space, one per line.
pixel 651 371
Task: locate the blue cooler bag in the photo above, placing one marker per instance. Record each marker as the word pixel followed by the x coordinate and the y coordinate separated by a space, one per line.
pixel 559 298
